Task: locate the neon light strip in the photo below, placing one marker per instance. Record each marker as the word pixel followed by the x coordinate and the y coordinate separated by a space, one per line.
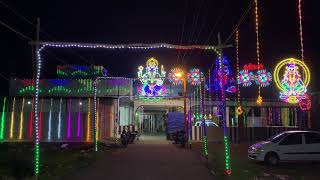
pixel 31 120
pixel 69 119
pixel 3 119
pixel 49 121
pixel 88 122
pixel 59 120
pixel 12 118
pixel 21 120
pixel 79 121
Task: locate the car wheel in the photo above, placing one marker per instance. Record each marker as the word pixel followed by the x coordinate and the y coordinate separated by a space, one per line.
pixel 271 159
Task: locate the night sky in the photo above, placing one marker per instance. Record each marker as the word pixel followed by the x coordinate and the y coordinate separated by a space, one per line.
pixel 116 21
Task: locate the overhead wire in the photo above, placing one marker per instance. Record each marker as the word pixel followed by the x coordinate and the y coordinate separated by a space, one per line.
pixel 15 31
pixel 183 25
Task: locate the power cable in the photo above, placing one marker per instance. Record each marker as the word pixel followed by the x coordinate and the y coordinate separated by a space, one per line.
pixel 17 32
pixel 183 25
pixel 242 18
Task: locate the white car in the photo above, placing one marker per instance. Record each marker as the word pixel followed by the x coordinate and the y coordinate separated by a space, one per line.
pixel 207 122
pixel 287 146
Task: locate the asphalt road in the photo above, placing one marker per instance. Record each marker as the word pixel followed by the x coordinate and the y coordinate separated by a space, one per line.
pixel 146 161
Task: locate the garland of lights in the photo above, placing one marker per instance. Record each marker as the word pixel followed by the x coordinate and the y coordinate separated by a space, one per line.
pixel 12 118
pixel 259 99
pixel 239 109
pixel 293 88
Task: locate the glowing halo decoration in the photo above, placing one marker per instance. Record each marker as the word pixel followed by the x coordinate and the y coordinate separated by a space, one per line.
pixel 173 78
pixel 293 86
pixel 245 78
pixel 152 79
pixel 195 76
pixel 263 78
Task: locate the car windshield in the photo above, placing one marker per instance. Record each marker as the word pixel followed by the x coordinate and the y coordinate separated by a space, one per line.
pixel 276 138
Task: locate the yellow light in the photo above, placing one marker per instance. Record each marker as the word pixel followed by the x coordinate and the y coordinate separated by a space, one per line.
pixel 284 62
pixel 179 74
pixel 12 118
pixel 21 120
pixel 239 110
pixel 259 100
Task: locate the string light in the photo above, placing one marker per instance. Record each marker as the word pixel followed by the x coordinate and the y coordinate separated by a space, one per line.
pixel 12 118
pixel 204 131
pixel 21 120
pixel 3 119
pixel 95 139
pixel 49 120
pixel 98 119
pixel 259 99
pixel 239 108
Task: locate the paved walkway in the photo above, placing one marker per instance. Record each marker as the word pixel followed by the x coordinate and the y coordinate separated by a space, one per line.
pixel 147 161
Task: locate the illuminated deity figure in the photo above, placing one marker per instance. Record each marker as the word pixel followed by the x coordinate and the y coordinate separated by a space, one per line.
pixel 293 85
pixel 152 79
pixel 222 77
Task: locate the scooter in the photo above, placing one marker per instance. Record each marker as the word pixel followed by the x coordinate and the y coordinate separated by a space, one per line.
pixel 124 139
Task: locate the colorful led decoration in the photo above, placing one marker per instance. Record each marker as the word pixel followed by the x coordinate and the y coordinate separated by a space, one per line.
pixel 222 77
pixel 152 79
pixel 60 86
pixel 49 120
pixel 292 86
pixel 251 67
pixel 194 76
pixel 239 110
pixel 300 29
pixel 21 120
pixel 175 75
pixel 259 100
pixel 204 130
pixel 59 119
pixel 28 86
pixel 263 78
pixel 3 119
pixel 80 71
pixel 12 118
pixel 245 78
pixel 42 45
pixel 40 119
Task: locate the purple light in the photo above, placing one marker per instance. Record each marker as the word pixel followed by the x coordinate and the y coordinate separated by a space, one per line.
pixel 69 119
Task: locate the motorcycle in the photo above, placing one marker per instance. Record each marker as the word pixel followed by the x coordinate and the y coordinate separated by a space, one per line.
pixel 124 139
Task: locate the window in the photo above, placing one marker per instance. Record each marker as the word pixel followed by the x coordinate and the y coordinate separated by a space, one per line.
pixel 312 138
pixel 292 139
pixel 277 138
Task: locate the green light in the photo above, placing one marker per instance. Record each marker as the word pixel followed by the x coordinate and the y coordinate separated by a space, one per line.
pixel 3 119
pixel 28 89
pixel 59 89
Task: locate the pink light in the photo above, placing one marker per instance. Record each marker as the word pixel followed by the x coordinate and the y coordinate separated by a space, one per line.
pixel 69 120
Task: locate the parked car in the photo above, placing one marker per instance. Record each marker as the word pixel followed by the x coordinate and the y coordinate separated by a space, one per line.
pixel 207 123
pixel 287 146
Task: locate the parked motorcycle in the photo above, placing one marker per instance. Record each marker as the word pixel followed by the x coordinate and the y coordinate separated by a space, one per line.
pixel 124 139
